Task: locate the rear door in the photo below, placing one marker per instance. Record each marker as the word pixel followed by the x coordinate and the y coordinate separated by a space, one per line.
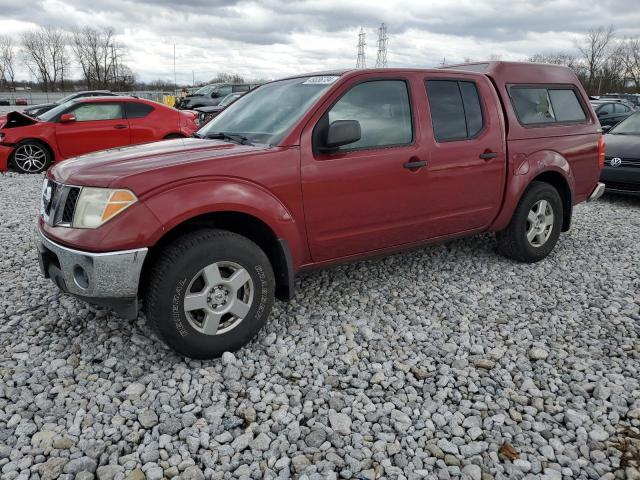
pixel 467 153
pixel 98 126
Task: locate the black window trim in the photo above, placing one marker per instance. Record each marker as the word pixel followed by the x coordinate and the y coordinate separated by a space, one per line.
pixel 124 109
pixel 407 83
pixel 482 108
pixel 550 86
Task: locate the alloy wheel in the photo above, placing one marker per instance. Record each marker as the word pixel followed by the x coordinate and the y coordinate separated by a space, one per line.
pixel 540 223
pixel 218 298
pixel 30 158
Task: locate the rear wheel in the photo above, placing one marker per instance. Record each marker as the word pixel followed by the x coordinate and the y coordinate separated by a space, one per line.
pixel 210 291
pixel 535 226
pixel 30 157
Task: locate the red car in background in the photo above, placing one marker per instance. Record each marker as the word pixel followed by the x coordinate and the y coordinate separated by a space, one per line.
pixel 86 125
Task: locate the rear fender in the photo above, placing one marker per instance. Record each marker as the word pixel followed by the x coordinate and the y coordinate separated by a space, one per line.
pixel 525 170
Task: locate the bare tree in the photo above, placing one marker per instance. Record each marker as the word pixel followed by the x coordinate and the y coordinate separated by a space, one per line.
pixel 46 56
pixel 595 49
pixel 7 62
pixel 100 57
pixel 630 58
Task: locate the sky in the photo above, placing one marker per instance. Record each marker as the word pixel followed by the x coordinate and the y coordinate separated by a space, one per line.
pixel 275 38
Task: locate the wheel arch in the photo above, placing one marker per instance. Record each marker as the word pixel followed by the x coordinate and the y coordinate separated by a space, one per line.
pixel 559 182
pixel 543 166
pixel 249 226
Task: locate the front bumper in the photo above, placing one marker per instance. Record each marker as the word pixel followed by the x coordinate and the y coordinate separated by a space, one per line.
pixel 5 153
pixel 107 279
pixel 625 180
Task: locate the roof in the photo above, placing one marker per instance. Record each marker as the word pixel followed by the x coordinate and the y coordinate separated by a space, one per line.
pixel 110 98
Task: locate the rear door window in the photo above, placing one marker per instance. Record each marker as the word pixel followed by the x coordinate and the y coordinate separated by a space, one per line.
pixel 456 112
pixel 543 105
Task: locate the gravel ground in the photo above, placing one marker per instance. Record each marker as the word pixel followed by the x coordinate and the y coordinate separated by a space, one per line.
pixel 446 362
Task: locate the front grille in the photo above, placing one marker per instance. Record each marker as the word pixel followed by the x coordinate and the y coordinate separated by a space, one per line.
pixel 625 187
pixel 624 162
pixel 59 203
pixel 70 204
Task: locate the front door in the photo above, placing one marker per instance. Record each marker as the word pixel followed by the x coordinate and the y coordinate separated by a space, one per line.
pixel 98 126
pixel 367 195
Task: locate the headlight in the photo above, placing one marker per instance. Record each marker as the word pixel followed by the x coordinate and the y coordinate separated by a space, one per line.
pixel 97 206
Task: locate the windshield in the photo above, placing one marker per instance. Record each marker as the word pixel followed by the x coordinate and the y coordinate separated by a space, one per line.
pixel 66 99
pixel 228 99
pixel 54 112
pixel 629 126
pixel 266 114
pixel 206 90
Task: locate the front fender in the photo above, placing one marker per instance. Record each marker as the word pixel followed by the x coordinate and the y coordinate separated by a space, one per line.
pixel 186 201
pixel 525 170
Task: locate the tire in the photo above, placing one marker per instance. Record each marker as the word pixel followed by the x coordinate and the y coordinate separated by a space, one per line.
pixel 31 156
pixel 172 136
pixel 186 267
pixel 531 219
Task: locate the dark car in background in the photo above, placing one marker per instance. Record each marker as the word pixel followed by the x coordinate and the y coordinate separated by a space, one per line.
pixel 212 95
pixel 610 112
pixel 5 101
pixel 621 173
pixel 35 110
pixel 207 113
pixel 632 99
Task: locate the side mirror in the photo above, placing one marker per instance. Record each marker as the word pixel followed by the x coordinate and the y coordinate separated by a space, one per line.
pixel 215 94
pixel 605 128
pixel 602 113
pixel 342 132
pixel 67 118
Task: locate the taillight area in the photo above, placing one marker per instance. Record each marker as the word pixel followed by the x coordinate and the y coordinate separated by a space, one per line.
pixel 601 152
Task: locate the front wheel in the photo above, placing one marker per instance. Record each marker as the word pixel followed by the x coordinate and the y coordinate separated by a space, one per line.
pixel 211 291
pixel 535 226
pixel 30 157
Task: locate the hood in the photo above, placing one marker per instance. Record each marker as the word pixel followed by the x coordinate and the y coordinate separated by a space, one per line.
pixel 16 119
pixel 104 168
pixel 623 146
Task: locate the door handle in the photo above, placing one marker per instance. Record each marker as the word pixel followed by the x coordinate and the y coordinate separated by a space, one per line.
pixel 415 164
pixel 120 126
pixel 488 155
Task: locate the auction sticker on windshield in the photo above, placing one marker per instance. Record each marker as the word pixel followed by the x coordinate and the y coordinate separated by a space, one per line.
pixel 322 80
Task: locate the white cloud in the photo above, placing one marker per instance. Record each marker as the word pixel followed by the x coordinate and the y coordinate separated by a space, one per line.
pixel 275 38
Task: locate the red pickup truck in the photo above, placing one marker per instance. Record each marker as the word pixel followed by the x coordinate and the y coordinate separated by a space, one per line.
pixel 314 170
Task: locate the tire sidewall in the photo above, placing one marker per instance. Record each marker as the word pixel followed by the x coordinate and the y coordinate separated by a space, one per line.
pixel 536 193
pixel 172 321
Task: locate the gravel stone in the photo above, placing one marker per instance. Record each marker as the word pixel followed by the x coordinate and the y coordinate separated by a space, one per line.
pixel 148 418
pixel 417 365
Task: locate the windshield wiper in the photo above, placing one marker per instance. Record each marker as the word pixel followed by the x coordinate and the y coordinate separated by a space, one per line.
pixel 234 137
